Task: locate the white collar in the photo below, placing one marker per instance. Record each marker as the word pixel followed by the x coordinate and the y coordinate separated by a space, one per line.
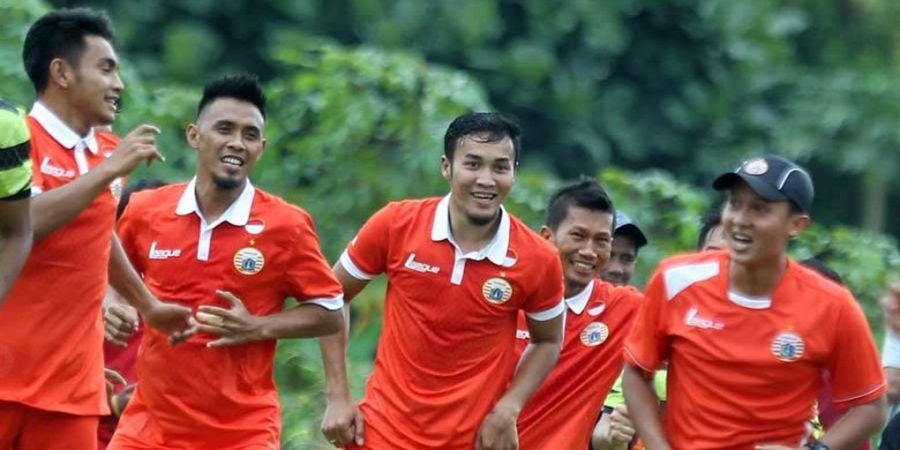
pixel 495 250
pixel 577 302
pixel 749 302
pixel 61 132
pixel 238 213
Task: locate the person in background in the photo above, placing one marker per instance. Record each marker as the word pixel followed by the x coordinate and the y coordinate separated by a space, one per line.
pixel 15 191
pixel 627 242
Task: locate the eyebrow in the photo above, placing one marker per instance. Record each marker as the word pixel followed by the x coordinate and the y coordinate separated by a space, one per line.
pixel 109 61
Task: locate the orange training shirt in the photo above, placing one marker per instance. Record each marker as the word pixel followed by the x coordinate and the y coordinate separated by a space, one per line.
pixel 51 330
pixel 745 371
pixel 447 347
pixel 262 250
pixel 562 412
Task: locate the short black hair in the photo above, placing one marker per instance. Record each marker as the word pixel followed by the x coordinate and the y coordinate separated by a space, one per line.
pixel 142 185
pixel 61 34
pixel 244 87
pixel 821 268
pixel 585 193
pixel 711 219
pixel 488 127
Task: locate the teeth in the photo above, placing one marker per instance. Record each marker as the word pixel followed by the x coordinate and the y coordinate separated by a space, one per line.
pixel 581 265
pixel 231 160
pixel 483 196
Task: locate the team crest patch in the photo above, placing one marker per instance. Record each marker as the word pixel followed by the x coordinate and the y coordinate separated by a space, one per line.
pixel 756 166
pixel 249 261
pixel 787 346
pixel 496 291
pixel 594 334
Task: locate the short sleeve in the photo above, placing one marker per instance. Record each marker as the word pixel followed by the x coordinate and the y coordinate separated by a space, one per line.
pixel 856 374
pixel 546 302
pixel 309 278
pixel 366 255
pixel 128 228
pixel 646 345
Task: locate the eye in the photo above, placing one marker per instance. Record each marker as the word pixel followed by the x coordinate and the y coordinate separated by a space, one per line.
pixel 502 168
pixel 577 236
pixel 470 164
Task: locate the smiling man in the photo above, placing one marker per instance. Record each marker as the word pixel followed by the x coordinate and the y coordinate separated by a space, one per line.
pixel 748 332
pixel 233 253
pixel 460 269
pixel 51 335
pixel 561 414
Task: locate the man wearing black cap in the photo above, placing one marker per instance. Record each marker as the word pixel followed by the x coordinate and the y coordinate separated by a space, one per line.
pixel 748 333
pixel 627 241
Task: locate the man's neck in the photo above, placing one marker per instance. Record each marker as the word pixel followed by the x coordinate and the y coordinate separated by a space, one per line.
pixel 468 236
pixel 758 280
pixel 66 113
pixel 212 200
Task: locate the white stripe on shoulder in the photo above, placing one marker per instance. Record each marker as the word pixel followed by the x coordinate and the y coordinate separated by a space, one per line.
pixel 680 278
pixel 547 314
pixel 352 269
pixel 331 304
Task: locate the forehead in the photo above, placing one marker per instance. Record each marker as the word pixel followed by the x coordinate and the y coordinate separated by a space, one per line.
pixel 97 48
pixel 623 243
pixel 231 110
pixel 474 146
pixel 597 221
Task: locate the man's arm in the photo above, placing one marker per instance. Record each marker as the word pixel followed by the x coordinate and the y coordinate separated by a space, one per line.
pixel 237 325
pixel 56 207
pixel 643 407
pixel 498 430
pixel 342 423
pixel 857 425
pixel 15 241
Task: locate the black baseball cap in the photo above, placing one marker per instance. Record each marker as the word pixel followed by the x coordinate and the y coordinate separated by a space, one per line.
pixel 624 224
pixel 773 178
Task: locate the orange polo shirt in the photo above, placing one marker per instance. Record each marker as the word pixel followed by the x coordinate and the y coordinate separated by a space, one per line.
pixel 447 347
pixel 51 331
pixel 263 250
pixel 562 412
pixel 745 371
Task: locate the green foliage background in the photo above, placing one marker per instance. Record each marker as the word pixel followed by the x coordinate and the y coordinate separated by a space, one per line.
pixel 653 97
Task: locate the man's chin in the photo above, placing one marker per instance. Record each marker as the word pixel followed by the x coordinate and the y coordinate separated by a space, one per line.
pixel 227 183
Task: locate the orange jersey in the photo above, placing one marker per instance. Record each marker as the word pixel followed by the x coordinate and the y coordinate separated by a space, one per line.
pixel 51 343
pixel 562 412
pixel 745 371
pixel 447 347
pixel 262 250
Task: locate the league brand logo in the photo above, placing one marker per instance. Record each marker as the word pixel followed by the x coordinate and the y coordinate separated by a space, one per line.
pixel 787 346
pixel 412 264
pixel 161 253
pixel 693 319
pixel 496 290
pixel 58 172
pixel 249 261
pixel 594 334
pixel 523 334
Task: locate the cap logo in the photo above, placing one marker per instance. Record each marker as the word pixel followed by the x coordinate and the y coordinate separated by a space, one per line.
pixel 496 290
pixel 755 166
pixel 787 346
pixel 594 334
pixel 249 261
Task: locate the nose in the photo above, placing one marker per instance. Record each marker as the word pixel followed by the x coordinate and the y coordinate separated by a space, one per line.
pixel 118 84
pixel 485 178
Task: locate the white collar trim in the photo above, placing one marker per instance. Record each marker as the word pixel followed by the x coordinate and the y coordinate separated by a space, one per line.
pixel 238 213
pixel 750 302
pixel 577 302
pixel 495 250
pixel 61 132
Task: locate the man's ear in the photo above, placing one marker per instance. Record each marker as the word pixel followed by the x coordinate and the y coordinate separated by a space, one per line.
pixel 191 133
pixel 446 168
pixel 546 232
pixel 61 73
pixel 798 224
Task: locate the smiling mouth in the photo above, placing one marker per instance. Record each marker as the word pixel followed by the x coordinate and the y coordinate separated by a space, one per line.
pixel 232 161
pixel 483 196
pixel 740 241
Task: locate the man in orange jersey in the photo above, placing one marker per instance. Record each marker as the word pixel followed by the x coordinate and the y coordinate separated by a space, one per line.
pixel 561 414
pixel 748 332
pixel 51 345
pixel 15 189
pixel 233 253
pixel 460 269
